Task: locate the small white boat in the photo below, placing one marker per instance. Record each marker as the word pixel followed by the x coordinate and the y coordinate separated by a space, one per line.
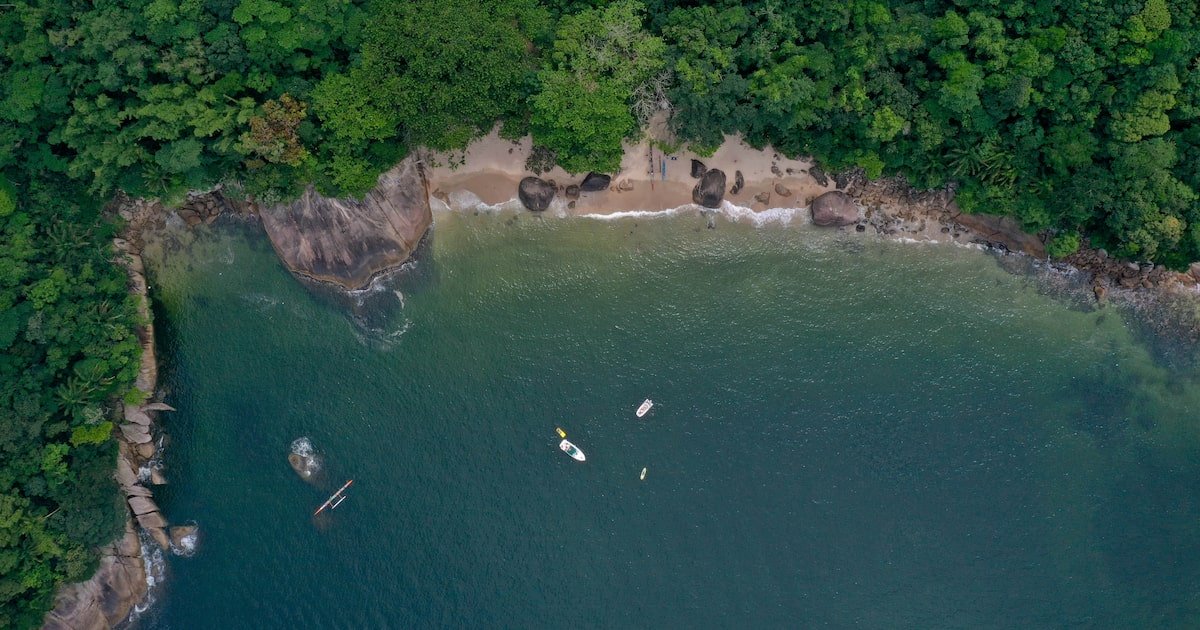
pixel 572 450
pixel 645 407
pixel 643 477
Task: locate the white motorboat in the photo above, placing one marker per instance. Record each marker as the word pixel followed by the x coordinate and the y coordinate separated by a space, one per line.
pixel 572 450
pixel 646 405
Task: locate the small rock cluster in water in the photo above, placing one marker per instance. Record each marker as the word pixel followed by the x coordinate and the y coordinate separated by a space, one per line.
pixel 304 459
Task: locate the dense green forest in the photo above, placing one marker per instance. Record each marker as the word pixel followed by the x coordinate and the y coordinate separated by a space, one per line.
pixel 1078 117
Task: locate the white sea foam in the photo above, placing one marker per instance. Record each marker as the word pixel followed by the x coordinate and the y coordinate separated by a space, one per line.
pixel 186 546
pixel 156 569
pixel 637 214
pixel 302 446
pixel 781 216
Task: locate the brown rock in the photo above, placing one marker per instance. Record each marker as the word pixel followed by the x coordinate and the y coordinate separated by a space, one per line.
pixel 125 475
pixel 141 505
pixel 190 217
pixel 698 169
pixel 151 520
pixel 137 416
pixel 136 490
pixel 535 193
pixel 572 192
pixel 1101 292
pixel 135 433
pixel 710 190
pixel 625 185
pixel 183 538
pixel 146 450
pixel 159 534
pixel 739 182
pixel 1005 231
pixel 595 182
pixel 157 406
pixel 347 241
pixel 763 197
pixel 104 600
pixel 782 190
pixel 157 478
pixel 835 209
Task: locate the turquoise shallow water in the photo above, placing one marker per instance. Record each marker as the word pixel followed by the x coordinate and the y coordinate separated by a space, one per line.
pixel 847 433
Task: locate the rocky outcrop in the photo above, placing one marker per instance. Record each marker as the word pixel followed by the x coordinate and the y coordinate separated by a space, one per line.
pixel 184 538
pixel 304 459
pixel 834 208
pixel 698 169
pixel 347 241
pixel 1001 233
pixel 595 182
pixel 119 583
pixel 782 191
pixel 106 599
pixel 710 190
pixel 739 182
pixel 1109 273
pixel 536 193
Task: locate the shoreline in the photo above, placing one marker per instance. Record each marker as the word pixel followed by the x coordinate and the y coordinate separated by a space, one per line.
pixel 488 172
pixel 491 168
pixel 129 567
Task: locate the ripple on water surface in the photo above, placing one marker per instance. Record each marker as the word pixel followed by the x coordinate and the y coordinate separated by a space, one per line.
pixel 846 433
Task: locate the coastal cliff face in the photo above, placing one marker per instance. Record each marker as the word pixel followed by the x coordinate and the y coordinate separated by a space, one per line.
pixel 347 241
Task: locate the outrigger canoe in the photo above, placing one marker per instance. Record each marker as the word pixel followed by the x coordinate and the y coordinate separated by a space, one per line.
pixel 572 450
pixel 641 411
pixel 334 499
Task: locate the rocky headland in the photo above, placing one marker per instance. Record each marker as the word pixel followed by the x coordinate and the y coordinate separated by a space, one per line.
pixel 348 241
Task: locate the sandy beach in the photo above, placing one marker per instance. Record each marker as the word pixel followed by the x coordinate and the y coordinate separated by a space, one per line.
pixel 649 180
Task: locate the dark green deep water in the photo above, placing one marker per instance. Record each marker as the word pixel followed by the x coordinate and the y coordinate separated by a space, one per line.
pixel 847 433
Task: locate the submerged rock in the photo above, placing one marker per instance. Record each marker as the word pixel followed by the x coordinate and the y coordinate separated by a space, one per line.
pixel 595 182
pixel 183 539
pixel 698 169
pixel 536 193
pixel 347 241
pixel 782 191
pixel 834 208
pixel 303 459
pixel 710 190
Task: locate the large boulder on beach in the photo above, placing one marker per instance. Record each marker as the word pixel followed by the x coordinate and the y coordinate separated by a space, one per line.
pixel 595 182
pixel 698 169
pixel 834 209
pixel 536 193
pixel 710 190
pixel 347 241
